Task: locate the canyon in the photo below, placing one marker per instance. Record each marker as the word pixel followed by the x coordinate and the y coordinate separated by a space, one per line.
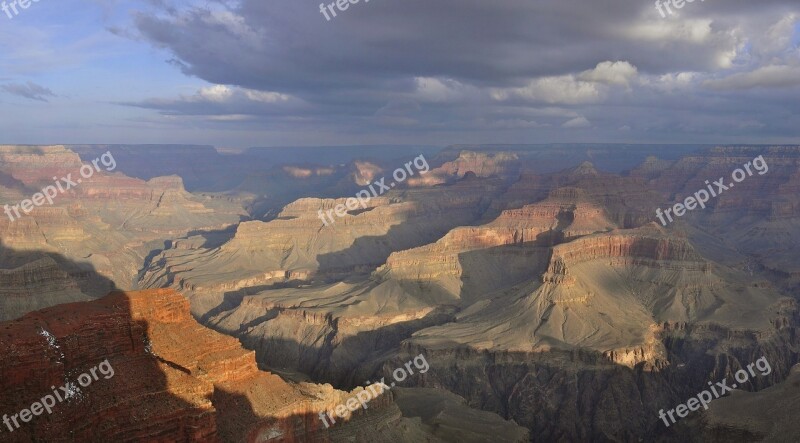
pixel 549 302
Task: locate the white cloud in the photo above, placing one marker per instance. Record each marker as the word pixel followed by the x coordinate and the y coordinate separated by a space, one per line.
pixel 672 82
pixel 216 93
pixel 578 122
pixel 565 89
pixel 611 73
pixel 436 90
pixel 227 94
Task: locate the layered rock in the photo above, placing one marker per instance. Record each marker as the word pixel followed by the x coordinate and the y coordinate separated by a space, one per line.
pixel 478 164
pixel 170 379
pixel 553 301
pixel 108 223
pixel 416 288
pixel 642 246
pixel 629 202
pixel 36 285
pixel 751 225
pixel 297 245
pixel 608 292
pixel 473 261
pixel 34 165
pixel 767 416
pixel 581 396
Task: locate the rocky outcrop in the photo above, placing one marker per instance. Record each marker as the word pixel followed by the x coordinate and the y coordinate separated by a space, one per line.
pixel 298 246
pixel 36 285
pixel 627 201
pixel 767 416
pixel 109 223
pixel 519 237
pixel 172 379
pixel 580 395
pixel 643 246
pixel 34 165
pixel 470 164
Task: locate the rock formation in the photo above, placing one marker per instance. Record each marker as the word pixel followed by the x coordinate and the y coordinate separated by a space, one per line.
pixel 172 380
pixel 105 226
pixel 538 283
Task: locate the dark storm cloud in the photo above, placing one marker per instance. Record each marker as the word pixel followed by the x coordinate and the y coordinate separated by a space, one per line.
pixel 454 65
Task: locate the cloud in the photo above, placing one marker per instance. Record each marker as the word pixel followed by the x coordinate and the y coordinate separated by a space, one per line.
pixel 29 90
pixel 611 73
pixel 694 31
pixel 578 122
pixel 554 90
pixel 225 103
pixel 764 77
pixel 394 69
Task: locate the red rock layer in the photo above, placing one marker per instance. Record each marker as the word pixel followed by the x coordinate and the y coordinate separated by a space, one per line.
pixel 174 380
pixel 37 165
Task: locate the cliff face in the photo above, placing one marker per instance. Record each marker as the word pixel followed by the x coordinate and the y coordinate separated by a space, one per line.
pixel 134 404
pixel 470 164
pixel 549 292
pixel 99 231
pixel 767 415
pixel 757 220
pixel 297 246
pixel 604 292
pixel 646 245
pixel 627 201
pixel 36 165
pixel 173 380
pixel 472 261
pixel 581 396
pixel 36 285
pixel 768 194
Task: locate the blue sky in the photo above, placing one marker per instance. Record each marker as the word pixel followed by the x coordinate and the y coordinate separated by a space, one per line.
pixel 67 47
pixel 275 72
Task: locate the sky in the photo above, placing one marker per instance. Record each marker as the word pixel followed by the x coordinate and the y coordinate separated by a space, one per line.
pixel 433 72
